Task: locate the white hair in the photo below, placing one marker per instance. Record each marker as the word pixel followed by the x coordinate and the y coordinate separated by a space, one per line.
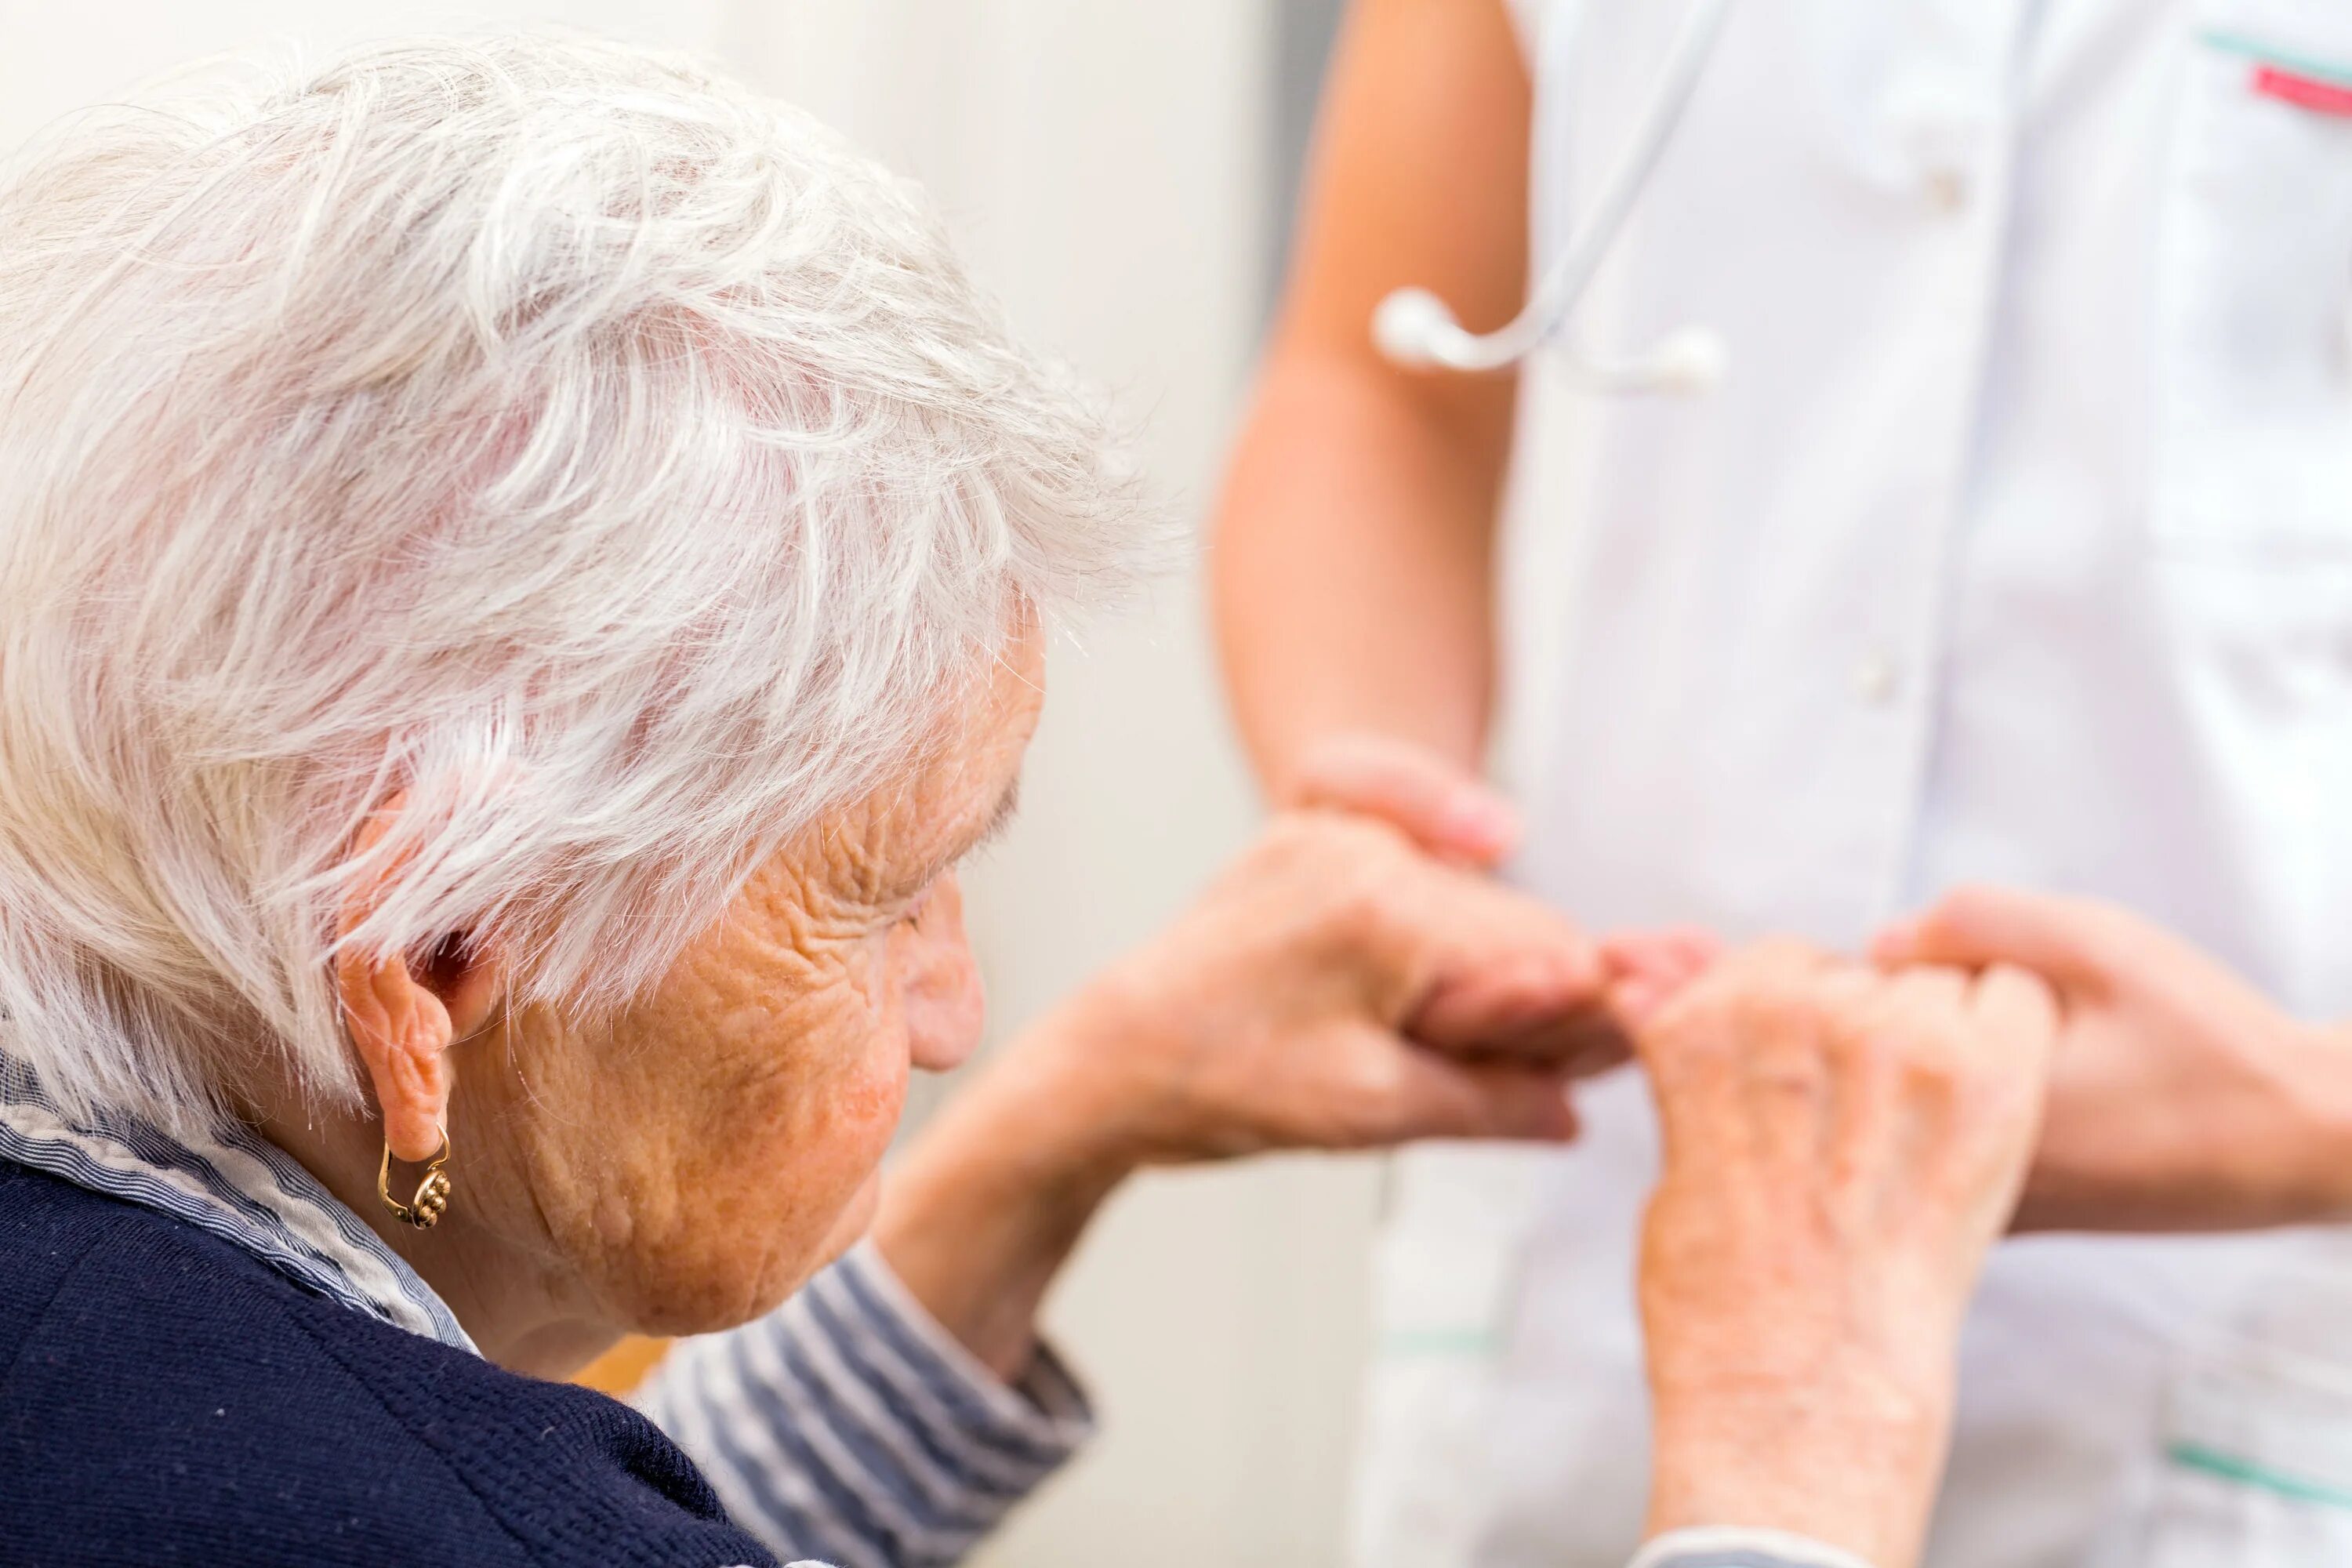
pixel 614 461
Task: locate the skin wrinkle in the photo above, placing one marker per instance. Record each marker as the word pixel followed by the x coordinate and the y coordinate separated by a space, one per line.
pixel 683 1162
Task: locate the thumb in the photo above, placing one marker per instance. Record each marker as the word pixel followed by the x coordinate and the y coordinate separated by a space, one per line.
pixel 1977 927
pixel 1434 1096
pixel 1442 806
pixel 1500 973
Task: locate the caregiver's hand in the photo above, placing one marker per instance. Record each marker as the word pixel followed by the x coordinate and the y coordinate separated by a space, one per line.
pixel 2181 1099
pixel 1444 807
pixel 1458 817
pixel 1335 989
pixel 1841 1148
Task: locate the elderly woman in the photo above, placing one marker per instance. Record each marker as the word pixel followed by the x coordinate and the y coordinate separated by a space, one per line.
pixel 522 571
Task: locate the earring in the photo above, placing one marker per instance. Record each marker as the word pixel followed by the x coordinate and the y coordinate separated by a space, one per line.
pixel 432 1200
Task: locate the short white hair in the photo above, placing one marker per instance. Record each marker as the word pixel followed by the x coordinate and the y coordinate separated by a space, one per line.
pixel 615 461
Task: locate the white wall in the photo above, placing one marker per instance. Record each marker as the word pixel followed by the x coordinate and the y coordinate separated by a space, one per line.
pixel 1105 162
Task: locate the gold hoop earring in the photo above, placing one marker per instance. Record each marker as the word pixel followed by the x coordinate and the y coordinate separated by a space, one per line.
pixel 432 1200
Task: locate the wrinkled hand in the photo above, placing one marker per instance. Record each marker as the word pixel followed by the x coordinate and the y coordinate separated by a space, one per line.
pixel 1841 1149
pixel 2181 1099
pixel 1339 989
pixel 1336 988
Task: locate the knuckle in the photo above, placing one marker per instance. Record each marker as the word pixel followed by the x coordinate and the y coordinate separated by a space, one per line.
pixel 1694 1032
pixel 1293 836
pixel 1786 1012
pixel 1373 1077
pixel 1331 864
pixel 1371 1094
pixel 1326 841
pixel 1358 906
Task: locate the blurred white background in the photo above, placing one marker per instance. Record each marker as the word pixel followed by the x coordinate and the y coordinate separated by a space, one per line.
pixel 1116 171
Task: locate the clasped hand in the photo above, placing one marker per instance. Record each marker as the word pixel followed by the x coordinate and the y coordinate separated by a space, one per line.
pixel 1844 1139
pixel 2180 1096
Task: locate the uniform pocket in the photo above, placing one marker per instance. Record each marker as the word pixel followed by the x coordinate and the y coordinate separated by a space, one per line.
pixel 2255 1466
pixel 2254 421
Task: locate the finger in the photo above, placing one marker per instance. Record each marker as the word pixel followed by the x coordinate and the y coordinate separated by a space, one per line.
pixel 1681 947
pixel 1637 999
pixel 1434 1096
pixel 2018 1010
pixel 1975 927
pixel 1481 958
pixel 1773 961
pixel 1662 957
pixel 1443 807
pixel 1649 969
pixel 1543 1006
pixel 1757 1017
pixel 1731 984
pixel 1926 991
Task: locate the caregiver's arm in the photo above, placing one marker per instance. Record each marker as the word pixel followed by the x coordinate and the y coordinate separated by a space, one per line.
pixel 1335 990
pixel 1353 553
pixel 1841 1150
pixel 2182 1099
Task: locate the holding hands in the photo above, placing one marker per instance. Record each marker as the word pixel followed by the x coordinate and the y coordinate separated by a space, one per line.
pixel 2180 1099
pixel 1842 1144
pixel 1842 1141
pixel 1336 988
pixel 1841 1147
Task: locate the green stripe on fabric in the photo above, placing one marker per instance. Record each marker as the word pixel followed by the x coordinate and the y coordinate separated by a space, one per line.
pixel 2335 73
pixel 1406 1343
pixel 2246 1472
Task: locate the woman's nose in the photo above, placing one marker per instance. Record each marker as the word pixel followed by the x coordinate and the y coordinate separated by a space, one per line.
pixel 945 1001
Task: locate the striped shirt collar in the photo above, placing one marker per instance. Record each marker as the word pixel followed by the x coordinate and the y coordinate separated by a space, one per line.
pixel 232 1184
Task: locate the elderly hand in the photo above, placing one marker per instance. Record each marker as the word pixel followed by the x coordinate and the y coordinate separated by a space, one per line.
pixel 1841 1150
pixel 2181 1099
pixel 1336 989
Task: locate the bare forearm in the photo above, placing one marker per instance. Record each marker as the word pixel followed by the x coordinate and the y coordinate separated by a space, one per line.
pixel 1353 568
pixel 1354 546
pixel 987 1207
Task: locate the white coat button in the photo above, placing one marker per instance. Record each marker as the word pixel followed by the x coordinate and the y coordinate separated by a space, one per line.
pixel 1948 189
pixel 1877 680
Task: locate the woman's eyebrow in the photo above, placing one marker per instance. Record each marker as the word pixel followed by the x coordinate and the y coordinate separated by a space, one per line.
pixel 999 817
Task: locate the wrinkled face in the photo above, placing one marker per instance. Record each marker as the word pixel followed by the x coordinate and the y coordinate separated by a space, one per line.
pixel 695 1159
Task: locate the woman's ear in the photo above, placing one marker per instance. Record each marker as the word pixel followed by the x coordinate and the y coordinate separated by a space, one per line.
pixel 403 1016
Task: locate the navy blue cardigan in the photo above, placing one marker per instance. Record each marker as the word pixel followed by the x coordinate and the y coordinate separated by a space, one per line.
pixel 167 1398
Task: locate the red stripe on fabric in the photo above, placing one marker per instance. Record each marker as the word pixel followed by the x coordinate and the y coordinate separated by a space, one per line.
pixel 2303 92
